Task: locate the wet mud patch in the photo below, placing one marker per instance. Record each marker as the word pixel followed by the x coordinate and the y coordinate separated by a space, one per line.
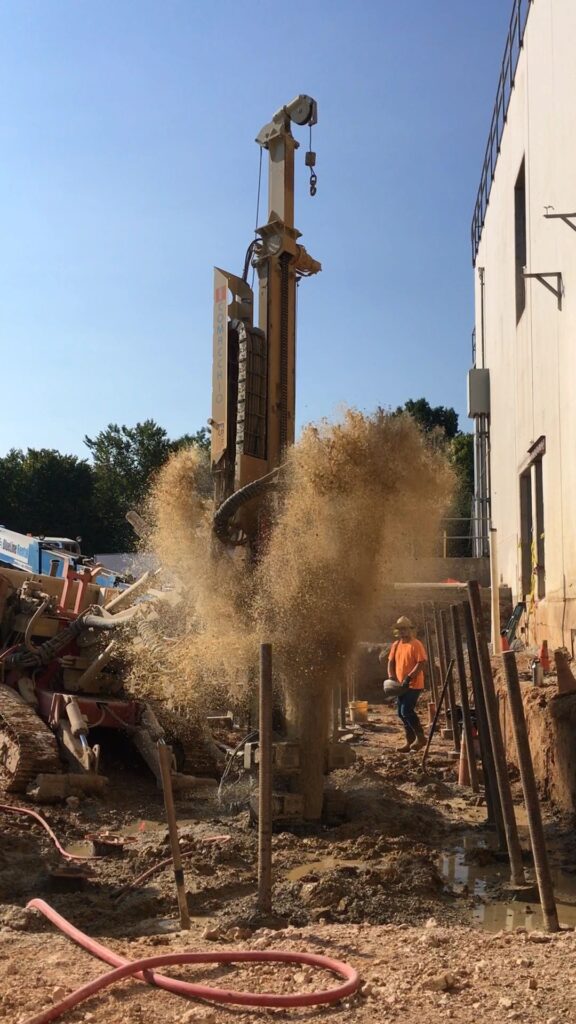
pixel 365 798
pixel 401 886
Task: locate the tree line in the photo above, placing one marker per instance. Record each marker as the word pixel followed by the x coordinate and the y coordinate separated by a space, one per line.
pixel 45 492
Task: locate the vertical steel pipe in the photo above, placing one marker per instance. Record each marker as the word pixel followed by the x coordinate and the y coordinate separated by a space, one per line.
pixel 165 765
pixel 437 713
pixel 451 693
pixel 498 750
pixel 437 637
pixel 463 684
pixel 431 661
pixel 538 843
pixel 265 782
pixel 490 785
pixel 343 703
pixel 494 594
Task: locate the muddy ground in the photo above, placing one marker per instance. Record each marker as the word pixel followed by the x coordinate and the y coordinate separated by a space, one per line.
pixel 398 883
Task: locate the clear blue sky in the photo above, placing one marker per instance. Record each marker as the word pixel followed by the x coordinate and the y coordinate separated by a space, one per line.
pixel 128 169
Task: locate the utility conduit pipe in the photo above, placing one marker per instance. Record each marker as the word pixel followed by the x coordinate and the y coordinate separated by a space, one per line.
pixel 144 970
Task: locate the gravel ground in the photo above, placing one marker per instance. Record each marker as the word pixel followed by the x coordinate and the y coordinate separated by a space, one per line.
pixel 425 975
pixel 366 889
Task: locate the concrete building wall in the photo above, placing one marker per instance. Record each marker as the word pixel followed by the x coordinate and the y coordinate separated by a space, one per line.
pixel 532 362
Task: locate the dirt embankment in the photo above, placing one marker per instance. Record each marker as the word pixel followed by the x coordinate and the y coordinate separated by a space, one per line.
pixel 551 724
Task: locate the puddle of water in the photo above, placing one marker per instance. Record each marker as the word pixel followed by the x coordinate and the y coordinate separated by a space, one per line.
pixel 80 849
pixel 459 873
pixel 321 866
pixel 496 915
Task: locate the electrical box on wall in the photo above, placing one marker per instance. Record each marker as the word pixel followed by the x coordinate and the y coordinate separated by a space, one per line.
pixel 478 392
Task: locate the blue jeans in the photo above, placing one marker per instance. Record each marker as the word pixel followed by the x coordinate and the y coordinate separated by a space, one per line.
pixel 405 706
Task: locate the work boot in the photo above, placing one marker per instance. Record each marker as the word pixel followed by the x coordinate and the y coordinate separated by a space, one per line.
pixel 420 738
pixel 409 740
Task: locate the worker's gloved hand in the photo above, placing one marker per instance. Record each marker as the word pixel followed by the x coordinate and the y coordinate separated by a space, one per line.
pixel 406 683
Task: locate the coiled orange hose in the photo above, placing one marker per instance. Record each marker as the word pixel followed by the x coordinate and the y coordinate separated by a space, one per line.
pixel 144 969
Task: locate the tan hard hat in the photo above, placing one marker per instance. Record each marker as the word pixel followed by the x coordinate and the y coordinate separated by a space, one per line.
pixel 404 623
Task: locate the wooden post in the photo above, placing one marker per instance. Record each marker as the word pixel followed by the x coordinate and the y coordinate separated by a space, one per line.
pixel 165 764
pixel 265 783
pixel 543 876
pixel 491 701
pixel 451 693
pixel 466 720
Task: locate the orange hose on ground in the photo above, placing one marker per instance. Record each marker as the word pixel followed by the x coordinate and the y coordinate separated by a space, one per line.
pixel 9 809
pixel 143 969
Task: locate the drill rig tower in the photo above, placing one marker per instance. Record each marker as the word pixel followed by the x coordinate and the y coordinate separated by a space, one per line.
pixel 253 385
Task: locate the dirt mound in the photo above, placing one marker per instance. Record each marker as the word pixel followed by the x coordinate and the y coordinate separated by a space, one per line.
pixel 366 799
pixel 402 886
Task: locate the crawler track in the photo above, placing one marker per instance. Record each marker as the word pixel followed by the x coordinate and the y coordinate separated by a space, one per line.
pixel 27 746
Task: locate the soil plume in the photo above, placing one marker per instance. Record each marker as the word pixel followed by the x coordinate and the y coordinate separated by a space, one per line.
pixel 357 498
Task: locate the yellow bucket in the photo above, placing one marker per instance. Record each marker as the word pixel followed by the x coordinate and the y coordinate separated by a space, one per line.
pixel 358 711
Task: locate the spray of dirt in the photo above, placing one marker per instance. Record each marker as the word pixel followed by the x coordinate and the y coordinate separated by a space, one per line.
pixel 359 497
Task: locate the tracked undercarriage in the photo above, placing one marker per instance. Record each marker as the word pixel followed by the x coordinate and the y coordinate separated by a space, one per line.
pixel 61 679
pixel 27 745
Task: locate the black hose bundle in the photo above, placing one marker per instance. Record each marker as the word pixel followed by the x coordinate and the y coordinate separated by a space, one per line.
pixel 44 653
pixel 221 524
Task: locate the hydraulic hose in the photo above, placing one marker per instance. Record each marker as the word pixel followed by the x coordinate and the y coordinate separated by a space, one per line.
pixel 229 507
pixel 144 970
pixel 31 622
pixel 9 809
pixel 112 621
pixel 46 652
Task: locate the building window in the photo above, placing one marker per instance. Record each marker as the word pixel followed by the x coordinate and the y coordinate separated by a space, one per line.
pixel 532 538
pixel 538 568
pixel 520 239
pixel 526 531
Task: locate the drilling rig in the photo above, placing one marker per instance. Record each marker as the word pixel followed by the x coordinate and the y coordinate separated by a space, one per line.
pixel 253 408
pixel 253 380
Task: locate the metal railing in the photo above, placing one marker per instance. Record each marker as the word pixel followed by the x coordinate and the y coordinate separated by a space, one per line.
pixel 514 43
pixel 456 536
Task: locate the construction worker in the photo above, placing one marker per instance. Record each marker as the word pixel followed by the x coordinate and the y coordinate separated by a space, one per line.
pixel 406 663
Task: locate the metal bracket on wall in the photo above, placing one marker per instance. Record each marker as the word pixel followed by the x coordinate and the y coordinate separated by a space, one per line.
pixel 568 218
pixel 558 291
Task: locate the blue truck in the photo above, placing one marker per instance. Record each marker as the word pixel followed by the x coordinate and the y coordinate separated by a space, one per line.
pixel 49 556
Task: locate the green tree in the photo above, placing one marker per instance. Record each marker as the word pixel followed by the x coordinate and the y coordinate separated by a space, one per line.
pixel 201 439
pixel 441 422
pixel 125 459
pixel 431 417
pixel 45 492
pixel 461 454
